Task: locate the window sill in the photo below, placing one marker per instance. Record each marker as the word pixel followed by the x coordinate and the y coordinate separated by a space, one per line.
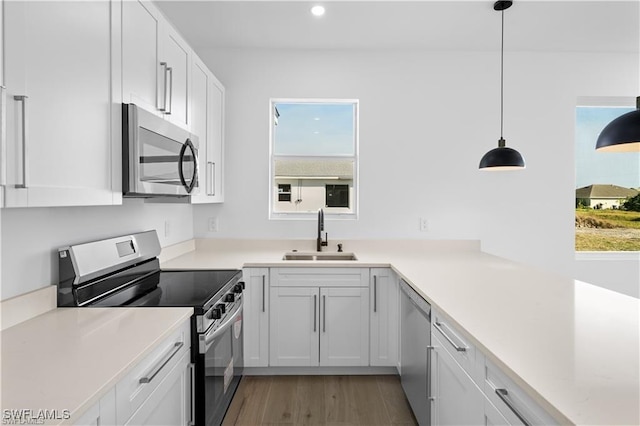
pixel 608 255
pixel 312 216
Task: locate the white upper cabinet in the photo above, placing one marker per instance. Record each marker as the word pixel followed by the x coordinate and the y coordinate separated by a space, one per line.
pixel 156 63
pixel 141 69
pixel 176 57
pixel 207 119
pixel 61 146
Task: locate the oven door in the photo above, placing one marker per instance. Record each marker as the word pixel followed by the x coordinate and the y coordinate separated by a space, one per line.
pixel 219 368
pixel 162 158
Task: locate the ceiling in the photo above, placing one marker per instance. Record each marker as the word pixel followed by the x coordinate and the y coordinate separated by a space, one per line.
pixel 581 26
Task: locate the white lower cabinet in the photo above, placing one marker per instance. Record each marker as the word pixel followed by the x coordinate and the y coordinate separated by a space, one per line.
pixel 384 309
pixel 319 317
pixel 156 391
pixel 457 400
pixel 102 413
pixel 492 416
pixel 170 402
pixel 256 317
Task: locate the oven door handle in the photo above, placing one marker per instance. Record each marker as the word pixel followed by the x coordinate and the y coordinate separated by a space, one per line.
pixel 206 340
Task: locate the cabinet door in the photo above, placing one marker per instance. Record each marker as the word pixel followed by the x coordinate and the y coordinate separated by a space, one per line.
pixel 142 73
pixel 200 126
pixel 344 317
pixel 256 317
pixel 170 402
pixel 294 326
pixel 103 413
pixel 384 317
pixel 207 109
pixel 176 54
pixel 492 416
pixel 457 399
pixel 58 68
pixel 215 148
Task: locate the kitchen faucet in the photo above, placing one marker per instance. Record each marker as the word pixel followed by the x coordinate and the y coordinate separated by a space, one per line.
pixel 319 242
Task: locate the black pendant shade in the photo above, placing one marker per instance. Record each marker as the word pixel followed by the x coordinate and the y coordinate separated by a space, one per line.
pixel 622 134
pixel 502 158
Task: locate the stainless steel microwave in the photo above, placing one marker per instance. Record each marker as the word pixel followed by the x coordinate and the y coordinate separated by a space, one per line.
pixel 159 158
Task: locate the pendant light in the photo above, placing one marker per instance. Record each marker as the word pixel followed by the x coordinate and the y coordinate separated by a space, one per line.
pixel 622 134
pixel 502 158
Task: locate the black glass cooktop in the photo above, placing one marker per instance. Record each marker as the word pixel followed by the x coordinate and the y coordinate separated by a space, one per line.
pixel 192 288
pixel 145 285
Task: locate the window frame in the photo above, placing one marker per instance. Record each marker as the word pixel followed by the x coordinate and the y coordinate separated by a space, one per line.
pixel 601 102
pixel 353 215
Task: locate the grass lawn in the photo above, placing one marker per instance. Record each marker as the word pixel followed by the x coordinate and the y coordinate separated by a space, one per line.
pixel 618 218
pixel 616 230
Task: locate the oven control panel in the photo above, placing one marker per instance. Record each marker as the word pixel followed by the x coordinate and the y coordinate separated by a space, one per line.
pixel 229 300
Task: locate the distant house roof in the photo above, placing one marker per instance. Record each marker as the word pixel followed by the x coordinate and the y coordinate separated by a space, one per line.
pixel 605 191
pixel 340 169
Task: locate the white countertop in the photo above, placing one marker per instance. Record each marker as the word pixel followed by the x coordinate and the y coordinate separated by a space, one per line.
pixel 574 347
pixel 68 358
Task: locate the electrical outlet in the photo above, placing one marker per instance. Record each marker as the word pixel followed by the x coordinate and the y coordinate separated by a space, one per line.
pixel 424 224
pixel 167 228
pixel 213 224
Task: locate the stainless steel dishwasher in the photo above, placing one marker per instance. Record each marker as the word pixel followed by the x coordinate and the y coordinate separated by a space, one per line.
pixel 415 336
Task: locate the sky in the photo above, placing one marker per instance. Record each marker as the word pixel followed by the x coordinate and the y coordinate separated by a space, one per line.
pixel 592 167
pixel 315 129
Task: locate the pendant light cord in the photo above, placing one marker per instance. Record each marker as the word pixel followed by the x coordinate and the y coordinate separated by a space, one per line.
pixel 502 77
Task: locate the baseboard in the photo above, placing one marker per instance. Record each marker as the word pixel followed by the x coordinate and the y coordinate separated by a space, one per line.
pixel 319 371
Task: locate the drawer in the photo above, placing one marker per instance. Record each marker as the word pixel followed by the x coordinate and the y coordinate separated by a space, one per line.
pixel 511 401
pixel 147 374
pixel 319 277
pixel 461 349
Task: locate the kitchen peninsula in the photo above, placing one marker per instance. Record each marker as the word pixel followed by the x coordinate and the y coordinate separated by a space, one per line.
pixel 557 338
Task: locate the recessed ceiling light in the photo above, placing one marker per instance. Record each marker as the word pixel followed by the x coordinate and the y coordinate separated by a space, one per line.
pixel 317 10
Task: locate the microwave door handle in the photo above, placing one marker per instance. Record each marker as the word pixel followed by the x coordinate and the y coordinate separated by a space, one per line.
pixel 189 187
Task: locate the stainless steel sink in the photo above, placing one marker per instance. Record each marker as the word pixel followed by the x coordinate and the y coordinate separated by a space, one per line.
pixel 320 256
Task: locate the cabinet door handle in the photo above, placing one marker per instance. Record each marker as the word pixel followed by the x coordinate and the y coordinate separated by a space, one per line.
pixel 192 368
pixel 213 178
pixel 375 293
pixel 170 109
pixel 149 377
pixel 324 313
pixel 162 104
pixel 315 312
pixel 503 395
pixel 429 349
pixel 264 297
pixel 458 348
pixel 25 150
pixel 3 137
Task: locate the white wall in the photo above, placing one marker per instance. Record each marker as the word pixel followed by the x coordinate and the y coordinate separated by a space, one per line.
pixel 426 119
pixel 31 237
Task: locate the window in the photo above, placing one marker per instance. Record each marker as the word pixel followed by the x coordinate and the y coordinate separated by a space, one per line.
pixel 607 192
pixel 314 158
pixel 337 195
pixel 284 192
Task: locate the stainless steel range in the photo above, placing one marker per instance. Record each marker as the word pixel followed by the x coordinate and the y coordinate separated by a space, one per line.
pixel 125 271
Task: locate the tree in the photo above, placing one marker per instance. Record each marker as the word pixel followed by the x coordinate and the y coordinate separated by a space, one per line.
pixel 632 203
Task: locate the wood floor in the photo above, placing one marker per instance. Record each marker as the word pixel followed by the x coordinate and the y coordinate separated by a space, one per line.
pixel 319 400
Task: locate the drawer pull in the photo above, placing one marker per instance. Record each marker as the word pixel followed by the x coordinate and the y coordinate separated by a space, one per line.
pixel 160 366
pixel 458 348
pixel 375 293
pixel 503 395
